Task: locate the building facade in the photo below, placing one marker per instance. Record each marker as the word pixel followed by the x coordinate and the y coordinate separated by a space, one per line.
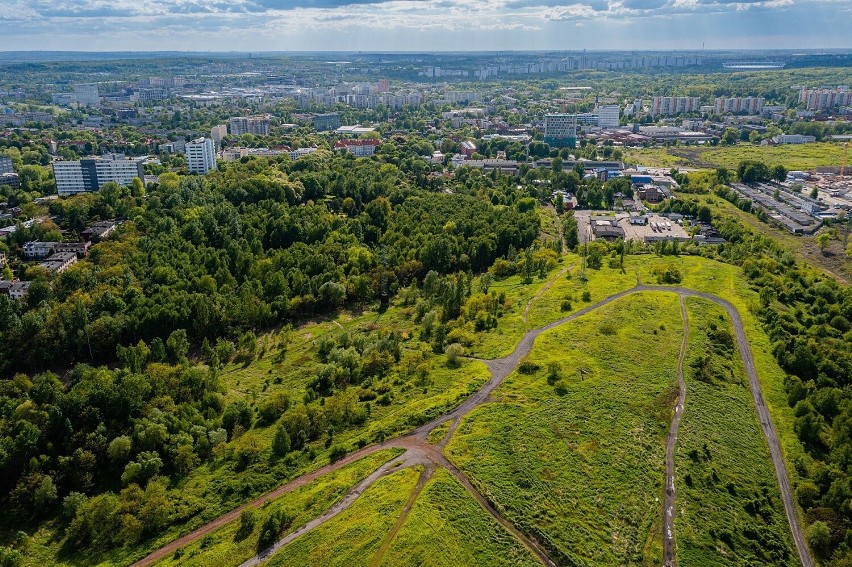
pixel 671 105
pixel 218 133
pixel 608 115
pixel 560 130
pixel 257 125
pixel 90 174
pixel 200 156
pixel 326 122
pixel 86 94
pixel 748 104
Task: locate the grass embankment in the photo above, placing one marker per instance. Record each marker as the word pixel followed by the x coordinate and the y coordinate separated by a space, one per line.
pixel 580 464
pixel 793 157
pixel 224 548
pixel 447 526
pixel 729 509
pixel 356 534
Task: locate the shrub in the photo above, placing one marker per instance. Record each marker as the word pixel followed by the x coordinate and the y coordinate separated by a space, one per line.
pixel 587 296
pixel 454 352
pixel 248 519
pixel 527 366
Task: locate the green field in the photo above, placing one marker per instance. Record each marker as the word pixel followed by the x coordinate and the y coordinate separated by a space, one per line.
pixel 729 509
pixel 793 157
pixel 580 464
pixel 355 535
pixel 448 527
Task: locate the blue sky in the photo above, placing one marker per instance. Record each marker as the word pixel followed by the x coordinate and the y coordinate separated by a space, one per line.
pixel 415 25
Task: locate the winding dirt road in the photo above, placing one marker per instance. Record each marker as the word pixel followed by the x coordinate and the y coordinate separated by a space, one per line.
pixel 419 451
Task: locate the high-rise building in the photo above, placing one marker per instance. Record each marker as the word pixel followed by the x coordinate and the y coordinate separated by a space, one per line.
pixel 86 94
pixel 200 156
pixel 608 115
pixel 257 125
pixel 383 86
pixel 560 130
pixel 325 122
pixel 218 133
pixel 91 173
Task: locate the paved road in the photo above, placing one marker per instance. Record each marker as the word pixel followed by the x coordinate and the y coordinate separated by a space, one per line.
pixel 671 441
pixel 418 451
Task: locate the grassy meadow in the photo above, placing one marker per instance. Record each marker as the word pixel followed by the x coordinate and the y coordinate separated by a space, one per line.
pixel 729 509
pixel 447 526
pixel 579 463
pixel 791 156
pixel 352 537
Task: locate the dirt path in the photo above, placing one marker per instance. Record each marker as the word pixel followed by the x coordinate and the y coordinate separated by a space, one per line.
pixel 419 451
pixel 544 289
pixel 336 509
pixel 671 441
pixel 425 475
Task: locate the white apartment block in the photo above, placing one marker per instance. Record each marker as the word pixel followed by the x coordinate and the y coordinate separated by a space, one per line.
pixel 86 94
pixel 90 174
pixel 608 115
pixel 200 156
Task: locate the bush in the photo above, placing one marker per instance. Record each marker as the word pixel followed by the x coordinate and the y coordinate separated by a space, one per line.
pixel 248 519
pixel 454 352
pixel 566 305
pixel 587 296
pixel 527 366
pixel 336 454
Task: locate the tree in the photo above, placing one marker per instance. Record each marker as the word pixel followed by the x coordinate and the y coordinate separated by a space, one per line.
pixel 723 176
pixel 730 137
pixel 119 449
pixel 704 214
pixel 814 193
pixel 823 239
pixel 45 494
pixel 560 203
pixel 571 231
pixel 779 173
pixel 281 441
pixel 819 538
pixel 248 519
pixel 178 346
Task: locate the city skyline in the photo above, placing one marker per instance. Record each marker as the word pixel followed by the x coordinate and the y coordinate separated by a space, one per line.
pixel 421 25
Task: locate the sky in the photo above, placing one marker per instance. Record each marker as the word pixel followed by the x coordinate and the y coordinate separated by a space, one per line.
pixel 421 25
